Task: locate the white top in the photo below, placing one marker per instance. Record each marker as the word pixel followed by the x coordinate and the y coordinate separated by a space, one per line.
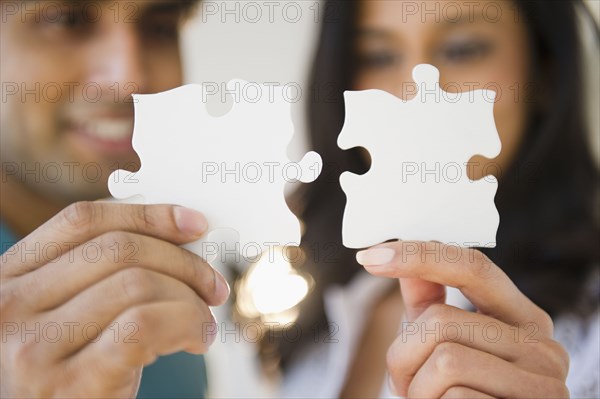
pixel 234 369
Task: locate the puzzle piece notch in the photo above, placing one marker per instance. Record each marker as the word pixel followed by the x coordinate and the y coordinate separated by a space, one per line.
pixel 233 167
pixel 427 78
pixel 426 133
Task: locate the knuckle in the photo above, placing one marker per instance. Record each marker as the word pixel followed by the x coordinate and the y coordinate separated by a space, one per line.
pixel 140 318
pixel 137 284
pixel 79 215
pixel 112 242
pixel 451 252
pixel 437 314
pixel 404 336
pixel 107 240
pixel 197 271
pixel 479 265
pixel 192 263
pixel 446 358
pixel 135 354
pixel 143 219
pixel 394 357
pixel 398 367
pixel 25 354
pixel 546 324
pixel 558 358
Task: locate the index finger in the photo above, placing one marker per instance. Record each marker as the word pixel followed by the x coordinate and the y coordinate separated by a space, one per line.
pixel 467 269
pixel 82 221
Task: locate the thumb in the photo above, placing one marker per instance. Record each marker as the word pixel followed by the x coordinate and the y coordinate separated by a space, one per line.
pixel 418 295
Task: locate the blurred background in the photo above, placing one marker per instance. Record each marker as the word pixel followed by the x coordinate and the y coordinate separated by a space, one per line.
pixel 259 42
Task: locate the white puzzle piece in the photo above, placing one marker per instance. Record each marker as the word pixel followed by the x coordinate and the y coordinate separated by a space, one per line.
pixel 417 187
pixel 232 168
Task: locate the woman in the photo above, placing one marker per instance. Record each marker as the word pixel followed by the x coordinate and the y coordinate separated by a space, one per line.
pixel 546 257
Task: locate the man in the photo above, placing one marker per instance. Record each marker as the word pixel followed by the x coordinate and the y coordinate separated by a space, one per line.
pixel 93 294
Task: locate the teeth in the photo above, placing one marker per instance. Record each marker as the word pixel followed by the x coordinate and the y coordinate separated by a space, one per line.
pixel 110 129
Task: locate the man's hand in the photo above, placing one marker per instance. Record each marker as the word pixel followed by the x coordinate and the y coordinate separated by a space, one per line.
pixel 99 291
pixel 505 349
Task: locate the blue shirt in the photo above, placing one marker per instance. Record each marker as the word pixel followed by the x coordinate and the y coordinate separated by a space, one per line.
pixel 180 375
pixel 7 238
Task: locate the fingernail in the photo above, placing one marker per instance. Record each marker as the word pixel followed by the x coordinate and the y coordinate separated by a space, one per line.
pixel 375 256
pixel 222 287
pixel 189 221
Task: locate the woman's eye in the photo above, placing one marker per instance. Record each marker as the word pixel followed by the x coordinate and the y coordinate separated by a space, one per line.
pixel 71 21
pixel 164 31
pixel 468 51
pixel 70 18
pixel 377 59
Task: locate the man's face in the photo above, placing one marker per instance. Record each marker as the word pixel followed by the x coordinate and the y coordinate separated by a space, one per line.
pixel 68 71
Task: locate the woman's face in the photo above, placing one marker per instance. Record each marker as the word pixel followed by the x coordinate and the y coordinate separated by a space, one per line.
pixel 474 44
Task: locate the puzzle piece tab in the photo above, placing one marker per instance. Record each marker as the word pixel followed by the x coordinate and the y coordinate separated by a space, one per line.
pixel 232 168
pixel 417 187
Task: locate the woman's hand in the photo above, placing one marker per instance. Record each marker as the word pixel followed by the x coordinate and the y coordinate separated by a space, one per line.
pixel 504 350
pixel 99 291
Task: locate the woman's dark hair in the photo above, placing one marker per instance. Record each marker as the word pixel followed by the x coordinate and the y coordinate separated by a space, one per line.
pixel 547 241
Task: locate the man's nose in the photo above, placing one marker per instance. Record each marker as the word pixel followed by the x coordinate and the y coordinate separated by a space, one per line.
pixel 118 61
